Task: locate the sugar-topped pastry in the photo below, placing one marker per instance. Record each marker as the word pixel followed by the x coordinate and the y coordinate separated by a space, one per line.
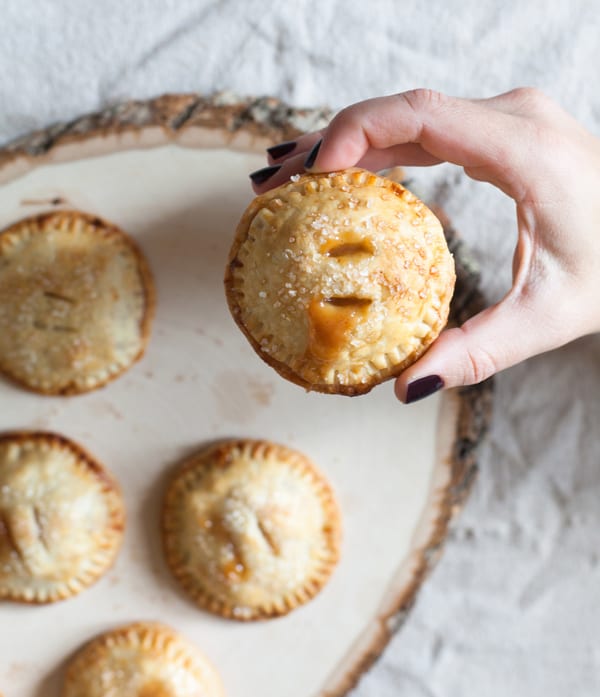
pixel 339 281
pixel 76 302
pixel 61 518
pixel 251 529
pixel 145 659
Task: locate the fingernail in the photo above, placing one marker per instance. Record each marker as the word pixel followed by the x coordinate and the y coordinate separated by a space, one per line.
pixel 423 387
pixel 312 155
pixel 277 151
pixel 261 175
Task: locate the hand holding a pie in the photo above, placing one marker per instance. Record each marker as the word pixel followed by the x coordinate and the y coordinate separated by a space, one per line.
pixel 527 146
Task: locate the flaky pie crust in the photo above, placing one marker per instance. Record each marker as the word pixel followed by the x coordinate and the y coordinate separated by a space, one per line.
pixel 339 281
pixel 251 529
pixel 145 659
pixel 61 518
pixel 76 302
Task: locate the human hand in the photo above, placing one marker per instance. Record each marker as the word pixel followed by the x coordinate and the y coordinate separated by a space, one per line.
pixel 526 145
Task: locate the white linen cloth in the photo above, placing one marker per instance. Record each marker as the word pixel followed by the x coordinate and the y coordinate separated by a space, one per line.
pixel 512 608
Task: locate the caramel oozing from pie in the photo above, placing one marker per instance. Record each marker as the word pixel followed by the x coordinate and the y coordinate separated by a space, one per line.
pixel 331 322
pixel 155 689
pixel 251 529
pixel 234 569
pixel 340 280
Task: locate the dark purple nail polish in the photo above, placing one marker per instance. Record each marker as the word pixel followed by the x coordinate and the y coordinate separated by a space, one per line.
pixel 312 155
pixel 423 387
pixel 261 175
pixel 277 151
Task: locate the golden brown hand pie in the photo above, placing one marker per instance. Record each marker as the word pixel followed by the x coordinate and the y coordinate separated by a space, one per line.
pixel 339 281
pixel 145 659
pixel 61 518
pixel 76 302
pixel 251 529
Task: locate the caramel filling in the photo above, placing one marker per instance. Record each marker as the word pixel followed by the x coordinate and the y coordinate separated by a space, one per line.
pixel 347 245
pixel 331 323
pixel 233 569
pixel 155 689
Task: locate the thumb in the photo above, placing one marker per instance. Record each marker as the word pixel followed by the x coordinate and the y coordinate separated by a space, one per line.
pixel 496 338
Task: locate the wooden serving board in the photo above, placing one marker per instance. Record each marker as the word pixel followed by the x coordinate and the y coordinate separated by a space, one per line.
pixel 172 172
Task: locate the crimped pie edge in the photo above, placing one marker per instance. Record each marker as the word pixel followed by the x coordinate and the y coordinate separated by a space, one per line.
pixel 257 448
pixel 106 555
pixel 51 220
pixel 371 378
pixel 144 634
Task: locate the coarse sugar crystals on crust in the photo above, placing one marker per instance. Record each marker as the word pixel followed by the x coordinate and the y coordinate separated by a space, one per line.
pixel 145 659
pixel 251 529
pixel 61 518
pixel 339 281
pixel 76 302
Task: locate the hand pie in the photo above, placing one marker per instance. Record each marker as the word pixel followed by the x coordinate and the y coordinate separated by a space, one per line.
pixel 339 281
pixel 61 518
pixel 251 529
pixel 145 659
pixel 76 302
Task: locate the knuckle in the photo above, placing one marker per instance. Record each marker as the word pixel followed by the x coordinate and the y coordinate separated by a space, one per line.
pixel 423 98
pixel 345 114
pixel 346 118
pixel 351 121
pixel 351 126
pixel 531 100
pixel 480 365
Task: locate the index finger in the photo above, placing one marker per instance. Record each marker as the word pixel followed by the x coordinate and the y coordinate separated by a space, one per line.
pixel 491 143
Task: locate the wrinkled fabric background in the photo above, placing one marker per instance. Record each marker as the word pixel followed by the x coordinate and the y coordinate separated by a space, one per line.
pixel 512 608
